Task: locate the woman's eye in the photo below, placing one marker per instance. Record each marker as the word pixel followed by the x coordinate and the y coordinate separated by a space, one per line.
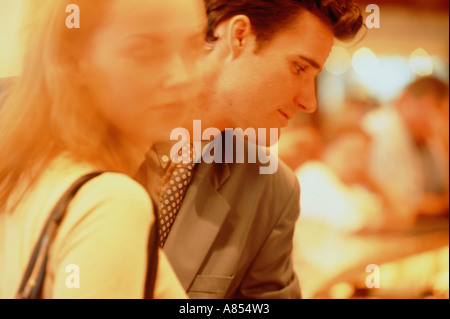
pixel 140 56
pixel 299 69
pixel 146 54
pixel 141 53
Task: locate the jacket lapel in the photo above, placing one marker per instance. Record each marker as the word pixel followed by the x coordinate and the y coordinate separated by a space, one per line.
pixel 198 222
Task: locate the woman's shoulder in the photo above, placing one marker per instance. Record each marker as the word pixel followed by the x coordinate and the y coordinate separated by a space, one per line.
pixel 108 221
pixel 111 206
pixel 109 193
pixel 116 188
pixel 108 185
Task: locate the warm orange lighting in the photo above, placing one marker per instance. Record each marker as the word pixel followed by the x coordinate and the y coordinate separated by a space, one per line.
pixel 365 62
pixel 421 62
pixel 339 61
pixel 342 291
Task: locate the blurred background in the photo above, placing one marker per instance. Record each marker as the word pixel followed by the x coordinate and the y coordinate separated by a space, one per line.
pixel 373 161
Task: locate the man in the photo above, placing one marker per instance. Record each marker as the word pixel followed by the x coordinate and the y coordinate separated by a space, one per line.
pixel 232 237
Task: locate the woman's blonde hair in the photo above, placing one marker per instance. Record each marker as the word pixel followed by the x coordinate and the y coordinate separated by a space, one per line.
pixel 47 111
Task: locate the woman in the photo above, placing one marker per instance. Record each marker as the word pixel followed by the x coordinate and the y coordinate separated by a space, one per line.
pixel 91 99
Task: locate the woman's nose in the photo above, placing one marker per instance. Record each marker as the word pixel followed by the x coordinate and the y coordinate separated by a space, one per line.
pixel 178 73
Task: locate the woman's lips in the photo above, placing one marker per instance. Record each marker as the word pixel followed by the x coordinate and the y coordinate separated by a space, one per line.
pixel 285 118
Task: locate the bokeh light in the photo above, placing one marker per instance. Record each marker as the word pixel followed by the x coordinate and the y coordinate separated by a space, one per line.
pixel 421 62
pixel 339 61
pixel 365 62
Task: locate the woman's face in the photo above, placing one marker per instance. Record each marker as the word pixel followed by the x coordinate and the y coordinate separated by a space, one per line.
pixel 142 66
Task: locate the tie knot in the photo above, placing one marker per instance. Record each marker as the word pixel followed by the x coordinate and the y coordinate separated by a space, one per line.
pixel 187 154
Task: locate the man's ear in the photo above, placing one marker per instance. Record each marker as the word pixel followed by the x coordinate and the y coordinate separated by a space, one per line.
pixel 239 34
pixel 236 33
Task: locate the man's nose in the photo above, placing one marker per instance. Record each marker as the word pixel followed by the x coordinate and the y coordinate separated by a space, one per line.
pixel 306 98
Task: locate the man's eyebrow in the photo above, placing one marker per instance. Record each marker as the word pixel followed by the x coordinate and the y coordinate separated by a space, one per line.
pixel 313 63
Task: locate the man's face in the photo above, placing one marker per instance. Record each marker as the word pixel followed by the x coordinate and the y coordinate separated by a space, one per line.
pixel 266 88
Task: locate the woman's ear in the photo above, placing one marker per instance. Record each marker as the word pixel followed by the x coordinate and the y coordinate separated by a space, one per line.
pixel 239 34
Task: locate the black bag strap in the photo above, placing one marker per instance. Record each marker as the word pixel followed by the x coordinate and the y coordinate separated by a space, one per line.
pixel 152 266
pixel 32 282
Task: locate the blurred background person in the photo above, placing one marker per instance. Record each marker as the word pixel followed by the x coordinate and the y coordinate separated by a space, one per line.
pixel 410 158
pixel 94 99
pixel 337 190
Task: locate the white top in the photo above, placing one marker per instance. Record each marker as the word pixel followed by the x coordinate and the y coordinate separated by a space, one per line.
pixel 394 162
pixel 100 245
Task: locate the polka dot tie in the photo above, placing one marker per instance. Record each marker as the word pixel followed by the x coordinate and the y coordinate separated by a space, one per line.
pixel 173 194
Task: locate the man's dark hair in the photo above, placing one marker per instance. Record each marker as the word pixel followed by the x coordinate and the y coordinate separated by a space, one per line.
pixel 268 17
